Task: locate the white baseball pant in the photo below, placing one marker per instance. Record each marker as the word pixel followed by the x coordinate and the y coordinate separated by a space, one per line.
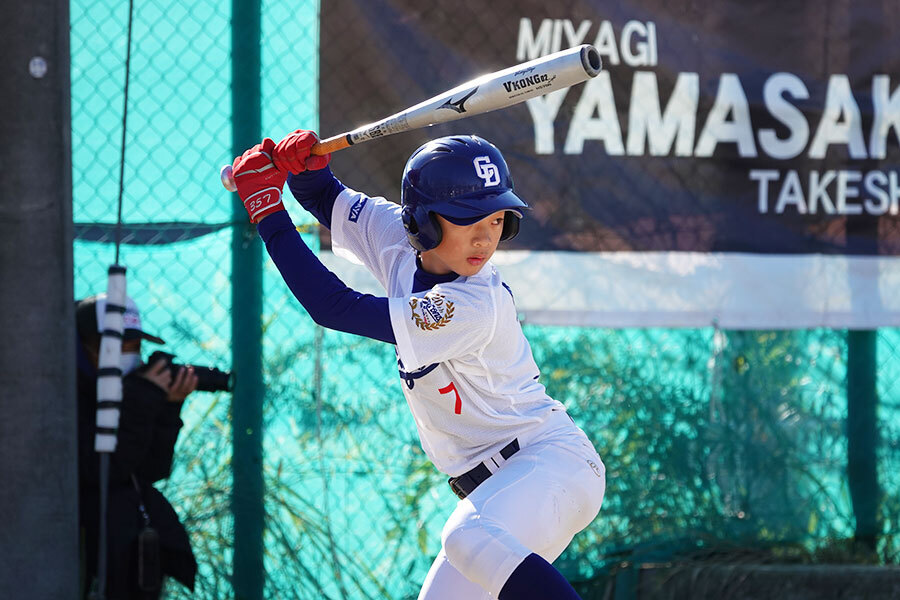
pixel 536 502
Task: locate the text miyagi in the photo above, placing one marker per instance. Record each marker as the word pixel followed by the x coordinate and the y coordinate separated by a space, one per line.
pixel 673 127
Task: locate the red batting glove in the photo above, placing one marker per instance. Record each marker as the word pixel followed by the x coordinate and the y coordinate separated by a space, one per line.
pixel 292 153
pixel 258 181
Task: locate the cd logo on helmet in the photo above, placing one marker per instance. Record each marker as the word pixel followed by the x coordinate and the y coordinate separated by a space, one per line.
pixel 487 170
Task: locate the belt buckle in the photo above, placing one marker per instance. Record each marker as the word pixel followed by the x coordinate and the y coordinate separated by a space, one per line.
pixel 454 485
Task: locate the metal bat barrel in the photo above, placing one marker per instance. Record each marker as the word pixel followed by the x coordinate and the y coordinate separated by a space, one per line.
pixel 490 92
pixel 481 95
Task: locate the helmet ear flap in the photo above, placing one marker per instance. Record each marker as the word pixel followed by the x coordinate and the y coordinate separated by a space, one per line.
pixel 510 226
pixel 437 234
pixel 411 227
pixel 409 221
pixel 422 228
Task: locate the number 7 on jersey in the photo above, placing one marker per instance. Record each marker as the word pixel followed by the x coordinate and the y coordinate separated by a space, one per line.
pixel 452 388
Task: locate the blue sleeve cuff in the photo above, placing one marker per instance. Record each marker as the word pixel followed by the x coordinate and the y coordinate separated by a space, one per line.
pixel 316 192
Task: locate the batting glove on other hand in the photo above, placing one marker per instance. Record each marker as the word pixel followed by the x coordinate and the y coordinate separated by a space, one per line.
pixel 292 153
pixel 258 181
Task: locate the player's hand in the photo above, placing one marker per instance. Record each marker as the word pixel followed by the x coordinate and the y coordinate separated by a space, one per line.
pixel 185 382
pixel 258 181
pixel 292 153
pixel 159 374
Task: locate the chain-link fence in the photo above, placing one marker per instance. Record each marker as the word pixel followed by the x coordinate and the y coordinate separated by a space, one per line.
pixel 709 436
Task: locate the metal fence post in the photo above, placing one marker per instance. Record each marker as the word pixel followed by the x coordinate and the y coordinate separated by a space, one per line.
pixel 862 436
pixel 38 462
pixel 246 317
pixel 862 367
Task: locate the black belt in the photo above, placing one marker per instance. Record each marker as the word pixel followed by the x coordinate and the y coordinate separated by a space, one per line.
pixel 466 483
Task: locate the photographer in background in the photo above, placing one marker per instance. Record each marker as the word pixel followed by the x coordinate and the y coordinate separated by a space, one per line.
pixel 142 525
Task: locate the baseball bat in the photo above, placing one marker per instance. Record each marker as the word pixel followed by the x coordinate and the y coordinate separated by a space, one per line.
pixel 486 93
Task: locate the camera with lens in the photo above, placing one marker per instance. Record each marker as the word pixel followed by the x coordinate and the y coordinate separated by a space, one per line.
pixel 209 379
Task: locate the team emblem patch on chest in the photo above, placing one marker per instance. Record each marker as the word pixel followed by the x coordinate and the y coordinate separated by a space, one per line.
pixel 431 312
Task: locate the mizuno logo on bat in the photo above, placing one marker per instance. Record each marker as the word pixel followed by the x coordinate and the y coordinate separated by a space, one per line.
pixel 458 105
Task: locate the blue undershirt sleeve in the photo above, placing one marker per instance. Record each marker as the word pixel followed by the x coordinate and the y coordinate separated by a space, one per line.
pixel 324 296
pixel 316 191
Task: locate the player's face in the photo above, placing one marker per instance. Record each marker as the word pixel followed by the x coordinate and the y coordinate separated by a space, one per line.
pixel 464 249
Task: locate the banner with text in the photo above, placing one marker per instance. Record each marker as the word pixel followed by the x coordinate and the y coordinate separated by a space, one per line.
pixel 758 134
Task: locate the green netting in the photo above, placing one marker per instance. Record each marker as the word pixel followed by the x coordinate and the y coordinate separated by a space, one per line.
pixel 707 435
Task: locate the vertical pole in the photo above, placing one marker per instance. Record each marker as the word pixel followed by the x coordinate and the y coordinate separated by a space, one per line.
pixel 870 39
pixel 862 436
pixel 38 431
pixel 246 317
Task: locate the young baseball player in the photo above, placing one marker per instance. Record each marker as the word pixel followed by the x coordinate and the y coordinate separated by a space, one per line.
pixel 527 477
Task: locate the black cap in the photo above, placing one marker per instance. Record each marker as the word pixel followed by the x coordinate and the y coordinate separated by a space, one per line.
pixel 89 316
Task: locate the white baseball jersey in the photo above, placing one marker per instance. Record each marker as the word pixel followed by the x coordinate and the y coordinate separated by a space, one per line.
pixel 467 369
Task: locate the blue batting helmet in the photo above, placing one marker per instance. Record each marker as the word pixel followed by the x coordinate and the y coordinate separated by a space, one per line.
pixel 461 178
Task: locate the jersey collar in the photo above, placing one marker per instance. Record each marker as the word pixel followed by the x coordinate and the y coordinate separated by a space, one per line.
pixel 423 280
